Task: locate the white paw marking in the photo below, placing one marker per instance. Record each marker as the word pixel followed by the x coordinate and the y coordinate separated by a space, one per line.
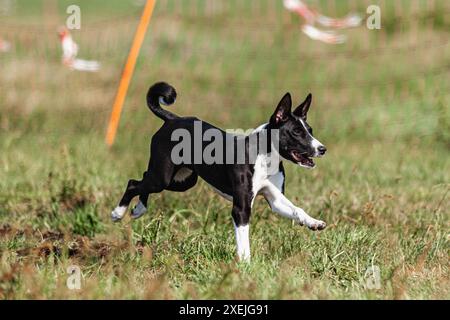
pixel 242 242
pixel 118 213
pixel 315 225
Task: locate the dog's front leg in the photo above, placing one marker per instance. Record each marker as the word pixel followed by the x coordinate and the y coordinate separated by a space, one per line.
pixel 242 241
pixel 281 205
pixel 241 219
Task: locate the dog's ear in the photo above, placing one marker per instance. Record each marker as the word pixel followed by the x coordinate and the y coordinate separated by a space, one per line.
pixel 302 110
pixel 283 110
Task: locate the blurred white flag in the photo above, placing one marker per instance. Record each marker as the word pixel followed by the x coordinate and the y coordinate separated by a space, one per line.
pixel 70 52
pixel 312 16
pixel 5 46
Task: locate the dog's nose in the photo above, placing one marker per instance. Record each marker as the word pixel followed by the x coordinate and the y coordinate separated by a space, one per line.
pixel 322 150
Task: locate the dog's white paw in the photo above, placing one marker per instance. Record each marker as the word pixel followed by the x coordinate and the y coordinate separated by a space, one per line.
pixel 118 213
pixel 316 225
pixel 138 211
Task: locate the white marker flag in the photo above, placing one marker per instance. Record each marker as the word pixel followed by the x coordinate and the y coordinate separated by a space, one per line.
pixel 70 52
pixel 312 16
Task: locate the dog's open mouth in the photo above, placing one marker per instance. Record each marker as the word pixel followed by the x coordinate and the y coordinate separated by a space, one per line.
pixel 302 159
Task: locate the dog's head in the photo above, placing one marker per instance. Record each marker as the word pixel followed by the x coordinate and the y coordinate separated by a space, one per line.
pixel 296 141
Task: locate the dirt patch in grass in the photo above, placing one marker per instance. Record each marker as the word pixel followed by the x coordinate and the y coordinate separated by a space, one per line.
pixel 79 248
pixel 9 231
pixel 43 244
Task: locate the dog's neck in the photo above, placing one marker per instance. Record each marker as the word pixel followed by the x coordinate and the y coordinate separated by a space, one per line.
pixel 268 150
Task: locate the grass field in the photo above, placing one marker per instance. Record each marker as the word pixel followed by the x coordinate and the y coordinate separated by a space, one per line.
pixel 381 105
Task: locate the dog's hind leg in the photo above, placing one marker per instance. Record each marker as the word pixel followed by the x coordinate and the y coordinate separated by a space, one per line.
pixel 131 191
pixel 155 180
pixel 189 180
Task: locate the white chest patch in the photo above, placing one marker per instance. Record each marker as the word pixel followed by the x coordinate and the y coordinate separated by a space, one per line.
pixel 265 171
pixel 259 176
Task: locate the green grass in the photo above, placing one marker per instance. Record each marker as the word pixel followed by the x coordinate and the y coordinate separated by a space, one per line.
pixel 382 188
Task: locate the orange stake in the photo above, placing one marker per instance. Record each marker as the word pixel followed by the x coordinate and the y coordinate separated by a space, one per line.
pixel 128 72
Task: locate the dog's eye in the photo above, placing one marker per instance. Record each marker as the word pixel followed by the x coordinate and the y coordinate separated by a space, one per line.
pixel 298 131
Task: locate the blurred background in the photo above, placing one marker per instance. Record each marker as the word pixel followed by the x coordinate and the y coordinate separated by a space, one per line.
pixel 380 104
pixel 231 61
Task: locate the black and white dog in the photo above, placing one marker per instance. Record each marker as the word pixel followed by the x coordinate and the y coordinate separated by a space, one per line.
pixel 238 181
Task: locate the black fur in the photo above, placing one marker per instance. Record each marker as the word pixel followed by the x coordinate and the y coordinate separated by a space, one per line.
pixel 234 180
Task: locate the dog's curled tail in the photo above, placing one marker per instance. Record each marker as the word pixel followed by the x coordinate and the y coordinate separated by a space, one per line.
pixel 161 93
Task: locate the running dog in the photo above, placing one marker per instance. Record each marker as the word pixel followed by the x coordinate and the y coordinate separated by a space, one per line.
pixel 237 181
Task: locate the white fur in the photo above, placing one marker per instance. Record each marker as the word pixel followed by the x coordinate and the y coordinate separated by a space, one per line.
pixel 316 144
pixel 118 213
pixel 281 205
pixel 266 165
pixel 260 128
pixel 277 180
pixel 138 211
pixel 260 175
pixel 270 185
pixel 242 242
pixel 261 171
